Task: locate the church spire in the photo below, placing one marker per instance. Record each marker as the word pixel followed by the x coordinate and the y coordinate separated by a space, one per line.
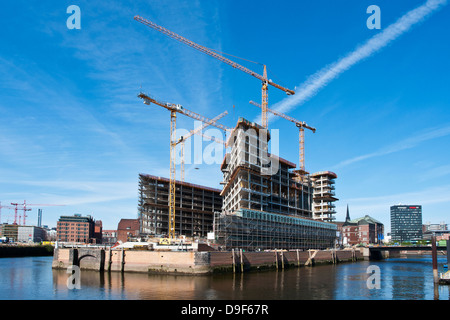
pixel 347 218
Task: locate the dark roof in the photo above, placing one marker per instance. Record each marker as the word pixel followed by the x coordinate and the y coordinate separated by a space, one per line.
pixel 76 218
pixel 364 220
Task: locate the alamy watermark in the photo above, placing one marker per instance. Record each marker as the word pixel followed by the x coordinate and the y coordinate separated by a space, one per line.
pixel 210 147
pixel 374 279
pixel 74 280
pixel 74 20
pixel 374 21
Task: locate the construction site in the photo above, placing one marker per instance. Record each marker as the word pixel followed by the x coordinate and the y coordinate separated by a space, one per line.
pixel 266 202
pixel 194 204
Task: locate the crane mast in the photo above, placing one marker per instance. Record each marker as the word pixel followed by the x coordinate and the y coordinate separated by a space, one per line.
pixel 174 109
pixel 301 125
pixel 172 189
pixel 191 133
pixel 264 79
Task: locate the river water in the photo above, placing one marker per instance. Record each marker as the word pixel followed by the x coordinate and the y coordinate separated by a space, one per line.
pixel 409 278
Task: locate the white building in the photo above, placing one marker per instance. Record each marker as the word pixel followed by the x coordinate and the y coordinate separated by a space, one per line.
pixel 30 234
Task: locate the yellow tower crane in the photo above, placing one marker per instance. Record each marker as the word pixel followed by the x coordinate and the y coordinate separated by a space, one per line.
pixel 174 109
pixel 263 78
pixel 301 125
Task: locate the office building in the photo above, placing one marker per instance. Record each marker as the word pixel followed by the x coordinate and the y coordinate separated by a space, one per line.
pixel 406 223
pixel 31 234
pixel 76 228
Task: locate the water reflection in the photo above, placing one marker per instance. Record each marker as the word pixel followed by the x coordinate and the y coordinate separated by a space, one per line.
pixel 403 278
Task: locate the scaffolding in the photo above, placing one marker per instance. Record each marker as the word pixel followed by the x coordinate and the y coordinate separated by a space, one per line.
pixel 261 184
pixel 254 230
pixel 194 207
pixel 265 205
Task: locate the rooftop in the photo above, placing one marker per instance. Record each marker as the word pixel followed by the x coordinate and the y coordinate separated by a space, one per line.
pixel 76 218
pixel 180 182
pixel 324 173
pixel 367 218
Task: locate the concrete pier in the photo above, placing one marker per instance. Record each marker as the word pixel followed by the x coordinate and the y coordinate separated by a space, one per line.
pixel 177 262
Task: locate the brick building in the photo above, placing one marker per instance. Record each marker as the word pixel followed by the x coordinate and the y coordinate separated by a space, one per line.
pixel 98 234
pixel 127 229
pixel 76 228
pixel 362 230
pixel 109 237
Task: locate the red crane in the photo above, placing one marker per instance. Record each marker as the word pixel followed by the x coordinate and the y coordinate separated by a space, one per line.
pixel 37 205
pixel 15 211
pixel 25 209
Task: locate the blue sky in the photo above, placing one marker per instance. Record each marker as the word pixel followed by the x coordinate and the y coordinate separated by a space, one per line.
pixel 73 132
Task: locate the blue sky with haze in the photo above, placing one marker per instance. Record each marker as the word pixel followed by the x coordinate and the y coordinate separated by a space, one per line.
pixel 73 132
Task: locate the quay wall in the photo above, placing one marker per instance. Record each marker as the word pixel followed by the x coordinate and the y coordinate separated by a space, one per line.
pixel 193 262
pixel 8 251
pixel 132 260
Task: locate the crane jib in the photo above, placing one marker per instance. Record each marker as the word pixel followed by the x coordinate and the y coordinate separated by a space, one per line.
pixel 210 52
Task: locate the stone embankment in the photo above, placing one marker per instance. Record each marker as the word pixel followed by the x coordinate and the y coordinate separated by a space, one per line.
pixel 194 262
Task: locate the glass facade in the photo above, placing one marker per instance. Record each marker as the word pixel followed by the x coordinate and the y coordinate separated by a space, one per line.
pixel 406 222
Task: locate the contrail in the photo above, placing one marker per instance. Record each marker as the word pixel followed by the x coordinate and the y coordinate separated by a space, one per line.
pixel 321 78
pixel 405 144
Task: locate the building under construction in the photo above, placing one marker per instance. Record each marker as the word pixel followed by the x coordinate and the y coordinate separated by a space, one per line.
pixel 266 204
pixel 194 207
pixel 324 196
